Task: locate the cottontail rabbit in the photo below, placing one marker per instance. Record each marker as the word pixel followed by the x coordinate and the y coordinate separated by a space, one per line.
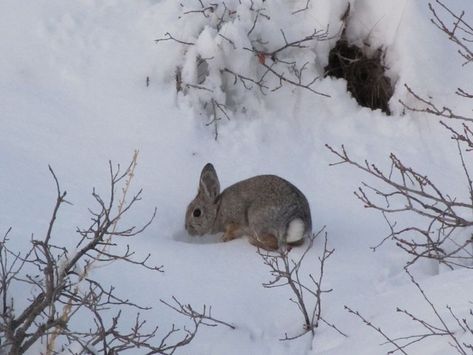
pixel 268 209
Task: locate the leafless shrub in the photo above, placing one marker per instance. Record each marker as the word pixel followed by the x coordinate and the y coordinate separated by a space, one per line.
pixel 286 272
pixel 439 328
pixel 270 64
pixel 60 288
pixel 460 32
pixel 409 191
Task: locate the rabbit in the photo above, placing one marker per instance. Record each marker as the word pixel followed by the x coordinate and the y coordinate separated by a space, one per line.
pixel 271 211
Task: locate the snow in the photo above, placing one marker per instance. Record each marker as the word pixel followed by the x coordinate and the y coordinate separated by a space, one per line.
pixel 73 95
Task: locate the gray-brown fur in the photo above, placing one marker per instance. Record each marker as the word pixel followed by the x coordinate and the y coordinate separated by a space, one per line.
pixel 261 207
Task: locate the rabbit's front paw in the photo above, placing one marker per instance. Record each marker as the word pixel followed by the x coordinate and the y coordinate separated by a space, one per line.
pixel 265 241
pixel 232 231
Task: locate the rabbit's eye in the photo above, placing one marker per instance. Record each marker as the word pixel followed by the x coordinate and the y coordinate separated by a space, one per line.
pixel 197 212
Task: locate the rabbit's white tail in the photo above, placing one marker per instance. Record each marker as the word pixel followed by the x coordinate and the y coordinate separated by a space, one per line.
pixel 295 231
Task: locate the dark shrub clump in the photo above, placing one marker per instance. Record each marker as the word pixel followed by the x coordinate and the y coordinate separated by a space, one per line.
pixel 364 74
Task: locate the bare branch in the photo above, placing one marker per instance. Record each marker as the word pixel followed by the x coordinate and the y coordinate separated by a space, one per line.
pixel 55 296
pixel 460 32
pixel 286 272
pixel 431 108
pixel 204 315
pixel 169 37
pixel 406 190
pixel 302 9
pixel 440 330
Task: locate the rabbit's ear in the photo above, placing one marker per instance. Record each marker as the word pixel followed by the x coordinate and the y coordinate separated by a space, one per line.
pixel 209 185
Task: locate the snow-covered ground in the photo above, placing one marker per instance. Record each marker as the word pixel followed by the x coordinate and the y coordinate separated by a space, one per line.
pixel 73 95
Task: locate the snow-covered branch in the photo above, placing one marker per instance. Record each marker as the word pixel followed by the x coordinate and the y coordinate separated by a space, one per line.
pixel 242 50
